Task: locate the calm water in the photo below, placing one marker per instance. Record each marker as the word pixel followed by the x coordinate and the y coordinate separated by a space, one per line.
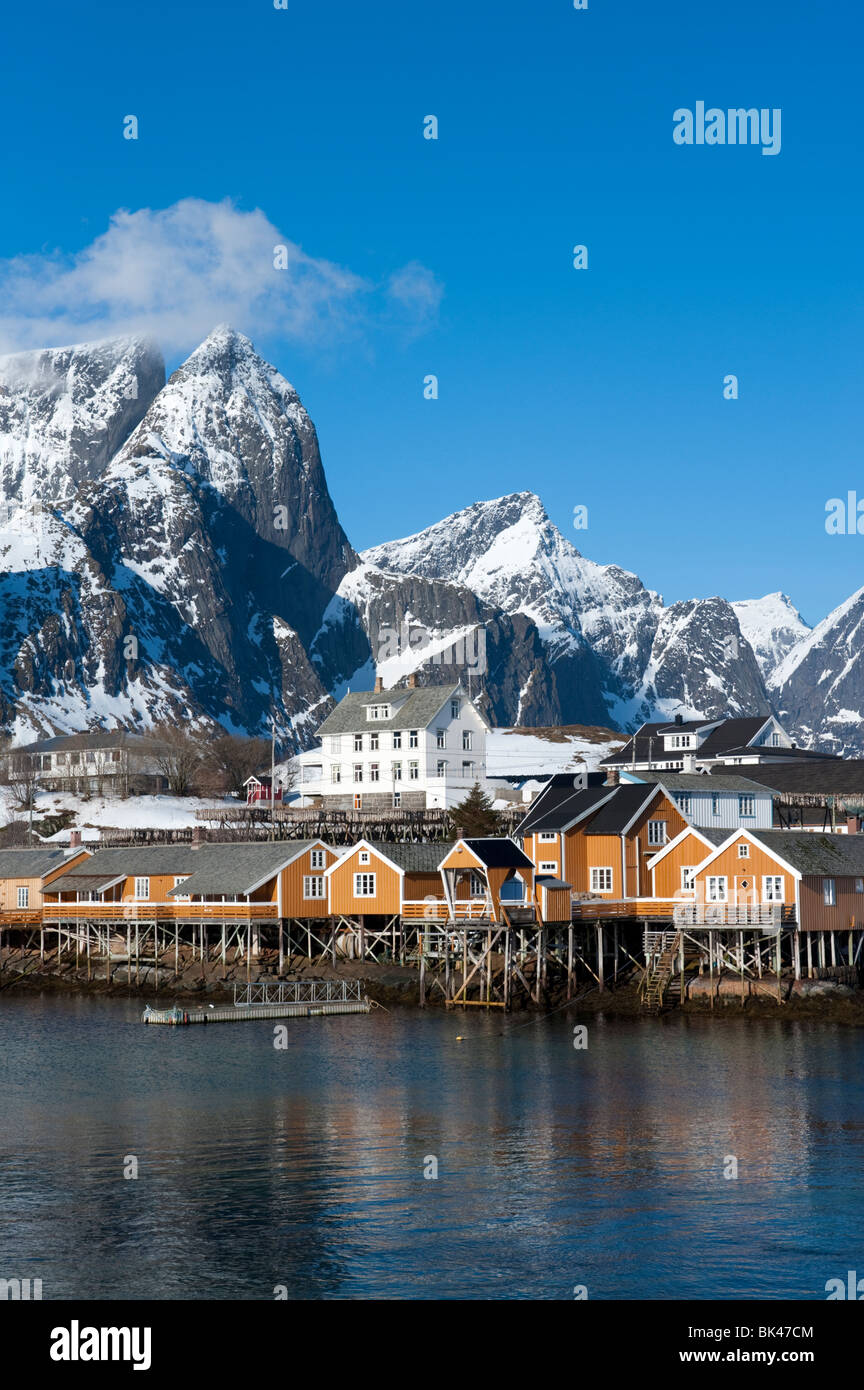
pixel 305 1167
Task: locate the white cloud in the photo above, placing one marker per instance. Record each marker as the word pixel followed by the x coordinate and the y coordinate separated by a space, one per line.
pixel 173 273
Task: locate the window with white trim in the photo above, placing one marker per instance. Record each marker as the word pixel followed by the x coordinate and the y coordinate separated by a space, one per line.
pixel 397 772
pixel 358 802
pixel 336 773
pixel 377 711
pixel 441 768
pixel 687 872
pixel 412 738
pixel 547 837
pixel 180 897
pixel 476 886
pixel 746 806
pixel 601 880
pixel 397 739
pixel 313 885
pixel 23 897
pixel 373 742
pixel 829 892
pixel 859 885
pixel 772 888
pixel 358 743
pixel 454 709
pixel 657 832
pixel 413 772
pixel 684 802
pixel 142 888
pixel 363 857
pixel 358 772
pixel 468 770
pixel 743 851
pixel 548 866
pixel 466 740
pixel 317 859
pixel 440 738
pixel 716 888
pixel 374 772
pixel 364 885
pixel 397 800
pixel 715 804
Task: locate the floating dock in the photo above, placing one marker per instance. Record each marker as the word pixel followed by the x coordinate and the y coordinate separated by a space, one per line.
pixel 288 999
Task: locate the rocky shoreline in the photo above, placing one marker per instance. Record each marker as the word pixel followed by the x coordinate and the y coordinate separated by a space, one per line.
pixel 391 984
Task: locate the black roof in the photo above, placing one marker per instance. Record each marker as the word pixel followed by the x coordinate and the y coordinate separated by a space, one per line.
pixel 731 736
pixel 814 776
pixel 628 801
pixel 559 804
pixel 497 852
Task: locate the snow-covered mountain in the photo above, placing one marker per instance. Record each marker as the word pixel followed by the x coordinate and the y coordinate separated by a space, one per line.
pixel 818 687
pixel 171 551
pixel 772 625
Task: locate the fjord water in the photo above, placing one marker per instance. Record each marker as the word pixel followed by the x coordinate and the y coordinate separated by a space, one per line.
pixel 304 1167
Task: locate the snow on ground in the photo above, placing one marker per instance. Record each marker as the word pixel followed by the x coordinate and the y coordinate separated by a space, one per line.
pixel 145 812
pixel 514 753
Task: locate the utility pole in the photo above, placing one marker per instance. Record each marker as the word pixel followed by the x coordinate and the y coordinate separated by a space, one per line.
pixel 273 777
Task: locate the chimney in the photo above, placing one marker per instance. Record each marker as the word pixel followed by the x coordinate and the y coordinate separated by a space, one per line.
pixel 196 837
pixel 679 719
pixel 613 777
pixel 412 681
pixel 379 684
pixel 853 825
pixel 75 839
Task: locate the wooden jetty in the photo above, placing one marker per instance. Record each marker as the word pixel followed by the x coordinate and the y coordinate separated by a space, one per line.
pixel 287 999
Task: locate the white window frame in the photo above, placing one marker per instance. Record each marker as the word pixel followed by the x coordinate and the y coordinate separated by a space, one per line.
pixel 440 738
pixel 829 892
pixel 744 851
pixel 363 857
pixel 145 895
pixel 413 738
pixel 336 772
pixel 397 800
pixel 772 888
pixel 358 743
pixel 745 799
pixel 467 740
pixel 413 772
pixel 23 896
pixel 358 772
pixel 684 802
pixel 397 738
pixel 547 866
pixel 601 874
pixel 687 872
pixel 547 837
pixel 454 709
pixel 181 897
pixel 717 888
pixel 374 772
pixel 397 772
pixel 317 859
pixel 314 887
pixel 715 803
pixel 364 885
pixel 660 835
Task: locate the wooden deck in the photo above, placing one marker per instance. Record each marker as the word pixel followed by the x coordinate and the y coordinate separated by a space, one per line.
pixel 163 912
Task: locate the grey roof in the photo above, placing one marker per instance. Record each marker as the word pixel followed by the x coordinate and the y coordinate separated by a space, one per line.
pixel 702 782
pixel 235 868
pixel 413 858
pixel 730 734
pixel 559 804
pixel 417 710
pixel 149 859
pixel 628 801
pixel 30 863
pixel 81 883
pixel 841 855
pixel 95 738
pixel 545 882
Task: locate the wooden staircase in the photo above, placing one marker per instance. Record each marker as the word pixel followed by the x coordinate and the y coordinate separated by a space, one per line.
pixel 661 986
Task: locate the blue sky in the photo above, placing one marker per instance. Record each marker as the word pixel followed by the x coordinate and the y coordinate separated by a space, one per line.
pixel 600 387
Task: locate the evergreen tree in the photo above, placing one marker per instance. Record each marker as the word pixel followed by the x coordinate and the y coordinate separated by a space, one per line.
pixel 475 816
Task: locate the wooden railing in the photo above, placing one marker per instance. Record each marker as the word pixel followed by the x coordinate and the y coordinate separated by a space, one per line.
pixel 768 915
pixel 146 911
pixel 467 909
pixel 590 909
